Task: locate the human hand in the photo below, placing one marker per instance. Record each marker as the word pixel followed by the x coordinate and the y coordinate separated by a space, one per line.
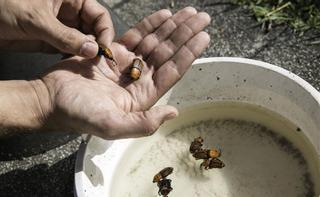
pixel 93 96
pixel 47 25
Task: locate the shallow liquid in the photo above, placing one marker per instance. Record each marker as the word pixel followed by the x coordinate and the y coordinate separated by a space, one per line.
pixel 259 160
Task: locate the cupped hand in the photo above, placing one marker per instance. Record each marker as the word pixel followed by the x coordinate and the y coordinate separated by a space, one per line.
pixel 47 25
pixel 96 97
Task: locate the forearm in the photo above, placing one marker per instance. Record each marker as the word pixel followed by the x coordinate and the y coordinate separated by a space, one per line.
pixel 19 105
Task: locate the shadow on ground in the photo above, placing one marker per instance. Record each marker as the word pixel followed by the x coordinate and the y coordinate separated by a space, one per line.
pixel 29 144
pixel 40 180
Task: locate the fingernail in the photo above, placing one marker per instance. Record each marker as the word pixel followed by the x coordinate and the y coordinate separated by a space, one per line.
pixel 89 49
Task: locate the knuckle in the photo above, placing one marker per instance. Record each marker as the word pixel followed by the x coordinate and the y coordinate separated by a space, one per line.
pixel 67 38
pixel 31 21
pixel 170 47
pixel 147 24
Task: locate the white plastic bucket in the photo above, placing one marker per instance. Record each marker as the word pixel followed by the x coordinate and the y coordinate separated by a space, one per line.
pixel 212 80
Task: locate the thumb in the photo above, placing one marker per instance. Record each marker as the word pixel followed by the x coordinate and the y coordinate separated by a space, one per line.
pixel 69 40
pixel 144 123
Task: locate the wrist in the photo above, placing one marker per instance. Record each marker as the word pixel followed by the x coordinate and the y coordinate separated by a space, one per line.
pixel 42 102
pixel 24 104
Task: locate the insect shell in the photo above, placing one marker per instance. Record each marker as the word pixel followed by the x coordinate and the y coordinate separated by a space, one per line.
pixel 196 145
pixel 162 174
pixel 107 53
pixel 164 187
pixel 136 69
pixel 212 163
pixel 214 153
pixel 206 154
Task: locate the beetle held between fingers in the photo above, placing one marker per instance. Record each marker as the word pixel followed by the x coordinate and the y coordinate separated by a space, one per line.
pixel 106 52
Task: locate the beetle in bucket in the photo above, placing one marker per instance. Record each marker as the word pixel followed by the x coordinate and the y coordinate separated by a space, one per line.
pixel 206 154
pixel 196 145
pixel 163 183
pixel 209 156
pixel 212 163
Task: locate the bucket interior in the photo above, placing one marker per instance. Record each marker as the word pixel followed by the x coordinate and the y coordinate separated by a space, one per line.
pixel 264 119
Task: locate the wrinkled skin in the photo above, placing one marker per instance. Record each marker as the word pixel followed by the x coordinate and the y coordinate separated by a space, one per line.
pixel 95 97
pixel 47 25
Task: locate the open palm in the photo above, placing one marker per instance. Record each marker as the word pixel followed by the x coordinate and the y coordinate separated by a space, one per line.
pixel 93 96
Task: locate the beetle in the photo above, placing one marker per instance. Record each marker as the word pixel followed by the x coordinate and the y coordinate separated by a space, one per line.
pixel 163 183
pixel 136 69
pixel 196 145
pixel 162 174
pixel 206 154
pixel 212 163
pixel 164 187
pixel 107 53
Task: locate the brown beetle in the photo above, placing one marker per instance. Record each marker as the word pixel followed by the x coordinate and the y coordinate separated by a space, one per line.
pixel 196 145
pixel 206 154
pixel 163 183
pixel 162 174
pixel 107 53
pixel 164 187
pixel 209 156
pixel 212 163
pixel 136 69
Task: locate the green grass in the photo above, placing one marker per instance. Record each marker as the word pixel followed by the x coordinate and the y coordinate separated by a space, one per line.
pixel 302 15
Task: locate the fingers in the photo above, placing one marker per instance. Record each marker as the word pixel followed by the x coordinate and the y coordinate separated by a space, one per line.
pixel 149 24
pixel 152 40
pixel 98 18
pixel 168 74
pixel 72 41
pixel 68 40
pixel 138 124
pixel 181 35
pixel 68 12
